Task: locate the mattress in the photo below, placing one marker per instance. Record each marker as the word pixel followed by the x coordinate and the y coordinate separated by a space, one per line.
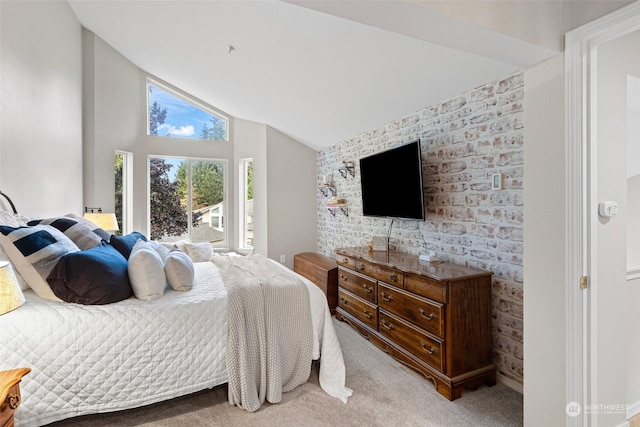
pixel 91 359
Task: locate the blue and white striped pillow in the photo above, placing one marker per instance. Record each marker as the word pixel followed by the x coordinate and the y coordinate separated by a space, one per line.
pixel 34 252
pixel 82 232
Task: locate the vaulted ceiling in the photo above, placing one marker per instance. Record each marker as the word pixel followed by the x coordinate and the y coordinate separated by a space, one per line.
pixel 318 71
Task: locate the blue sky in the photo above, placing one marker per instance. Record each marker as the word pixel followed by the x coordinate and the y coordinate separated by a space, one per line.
pixel 183 119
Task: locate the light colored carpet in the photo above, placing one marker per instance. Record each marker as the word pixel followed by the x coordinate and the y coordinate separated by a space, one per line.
pixel 386 393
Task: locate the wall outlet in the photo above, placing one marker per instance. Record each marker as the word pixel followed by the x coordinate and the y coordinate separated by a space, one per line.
pixel 283 259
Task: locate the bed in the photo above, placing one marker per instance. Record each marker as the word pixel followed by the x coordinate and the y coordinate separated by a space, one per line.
pixel 99 358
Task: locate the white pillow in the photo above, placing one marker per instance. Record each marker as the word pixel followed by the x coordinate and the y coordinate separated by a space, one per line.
pixel 160 248
pixel 179 270
pixel 38 250
pixel 199 252
pixel 146 272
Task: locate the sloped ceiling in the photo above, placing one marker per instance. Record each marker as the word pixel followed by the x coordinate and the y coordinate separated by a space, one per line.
pixel 318 71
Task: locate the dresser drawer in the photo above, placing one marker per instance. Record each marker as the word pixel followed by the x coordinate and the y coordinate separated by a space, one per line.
pixel 426 287
pixel 362 286
pixel 427 314
pixel 386 274
pixel 345 260
pixel 362 310
pixel 427 348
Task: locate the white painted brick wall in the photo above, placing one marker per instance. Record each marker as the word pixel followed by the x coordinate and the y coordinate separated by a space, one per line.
pixel 464 141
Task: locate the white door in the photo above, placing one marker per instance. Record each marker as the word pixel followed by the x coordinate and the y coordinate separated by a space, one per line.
pixel 615 302
pixel 603 320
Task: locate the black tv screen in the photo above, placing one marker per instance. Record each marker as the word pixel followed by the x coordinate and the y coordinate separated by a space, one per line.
pixel 391 183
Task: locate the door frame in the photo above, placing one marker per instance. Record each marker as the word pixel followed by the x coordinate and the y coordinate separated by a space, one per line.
pixel 581 55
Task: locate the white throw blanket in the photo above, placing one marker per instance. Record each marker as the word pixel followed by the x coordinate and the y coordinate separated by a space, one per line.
pixel 269 331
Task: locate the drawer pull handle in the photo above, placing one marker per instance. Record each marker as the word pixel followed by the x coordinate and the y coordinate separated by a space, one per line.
pixel 394 277
pixel 343 300
pixel 387 325
pixel 345 260
pixel 13 400
pixel 361 266
pixel 431 350
pixel 366 313
pixel 343 277
pixel 387 298
pixel 431 316
pixel 369 290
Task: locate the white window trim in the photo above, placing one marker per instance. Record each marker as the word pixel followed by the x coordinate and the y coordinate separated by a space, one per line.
pixel 242 206
pixel 189 99
pixel 225 243
pixel 127 191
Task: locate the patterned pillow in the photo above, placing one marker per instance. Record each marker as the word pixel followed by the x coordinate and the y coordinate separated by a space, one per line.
pixel 199 252
pixel 34 252
pixel 82 232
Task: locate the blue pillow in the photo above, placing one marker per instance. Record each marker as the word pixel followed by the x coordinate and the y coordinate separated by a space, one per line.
pixel 94 276
pixel 124 244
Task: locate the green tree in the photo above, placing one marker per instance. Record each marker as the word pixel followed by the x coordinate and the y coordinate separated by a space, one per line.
pixel 207 179
pixel 157 116
pixel 250 180
pixel 215 132
pixel 118 188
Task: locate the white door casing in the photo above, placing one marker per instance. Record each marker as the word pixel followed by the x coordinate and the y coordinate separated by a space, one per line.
pixel 581 254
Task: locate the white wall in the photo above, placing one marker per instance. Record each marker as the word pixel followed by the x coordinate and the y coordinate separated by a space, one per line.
pixel 292 203
pixel 250 141
pixel 40 118
pixel 115 119
pixel 544 230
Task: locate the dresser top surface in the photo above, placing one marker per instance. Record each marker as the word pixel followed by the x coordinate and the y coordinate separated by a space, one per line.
pixel 412 264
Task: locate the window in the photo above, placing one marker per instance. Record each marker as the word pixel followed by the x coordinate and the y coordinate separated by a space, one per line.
pixel 186 200
pixel 173 115
pixel 246 203
pixel 123 190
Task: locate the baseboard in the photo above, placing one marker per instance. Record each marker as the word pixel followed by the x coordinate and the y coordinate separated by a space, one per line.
pixel 514 385
pixel 633 410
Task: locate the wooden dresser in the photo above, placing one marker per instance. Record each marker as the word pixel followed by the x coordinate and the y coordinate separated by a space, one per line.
pixel 321 270
pixel 433 317
pixel 10 394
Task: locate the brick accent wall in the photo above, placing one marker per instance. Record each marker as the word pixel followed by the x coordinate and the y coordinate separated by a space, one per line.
pixel 464 141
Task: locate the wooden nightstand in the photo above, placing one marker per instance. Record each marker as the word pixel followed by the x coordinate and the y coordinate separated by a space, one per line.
pixel 321 270
pixel 10 394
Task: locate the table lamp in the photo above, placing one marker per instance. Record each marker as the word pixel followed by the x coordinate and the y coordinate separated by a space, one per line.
pixel 106 221
pixel 11 296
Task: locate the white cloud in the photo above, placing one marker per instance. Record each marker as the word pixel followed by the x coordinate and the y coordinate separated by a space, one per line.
pixel 186 130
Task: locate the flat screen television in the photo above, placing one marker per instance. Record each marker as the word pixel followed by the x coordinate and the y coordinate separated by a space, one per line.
pixel 391 183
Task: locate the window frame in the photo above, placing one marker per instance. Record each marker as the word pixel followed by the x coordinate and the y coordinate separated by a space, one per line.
pixel 190 100
pixel 243 167
pixel 225 193
pixel 127 190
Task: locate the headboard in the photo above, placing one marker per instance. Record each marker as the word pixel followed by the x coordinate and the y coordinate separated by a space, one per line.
pixel 10 202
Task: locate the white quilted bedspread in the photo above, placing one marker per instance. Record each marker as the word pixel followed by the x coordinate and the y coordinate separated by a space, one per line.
pixel 90 359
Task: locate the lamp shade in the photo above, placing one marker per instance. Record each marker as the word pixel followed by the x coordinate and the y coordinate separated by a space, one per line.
pixel 106 221
pixel 11 296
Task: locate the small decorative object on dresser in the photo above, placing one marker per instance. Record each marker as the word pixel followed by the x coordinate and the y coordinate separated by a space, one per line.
pixel 433 317
pixel 10 394
pixel 321 270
